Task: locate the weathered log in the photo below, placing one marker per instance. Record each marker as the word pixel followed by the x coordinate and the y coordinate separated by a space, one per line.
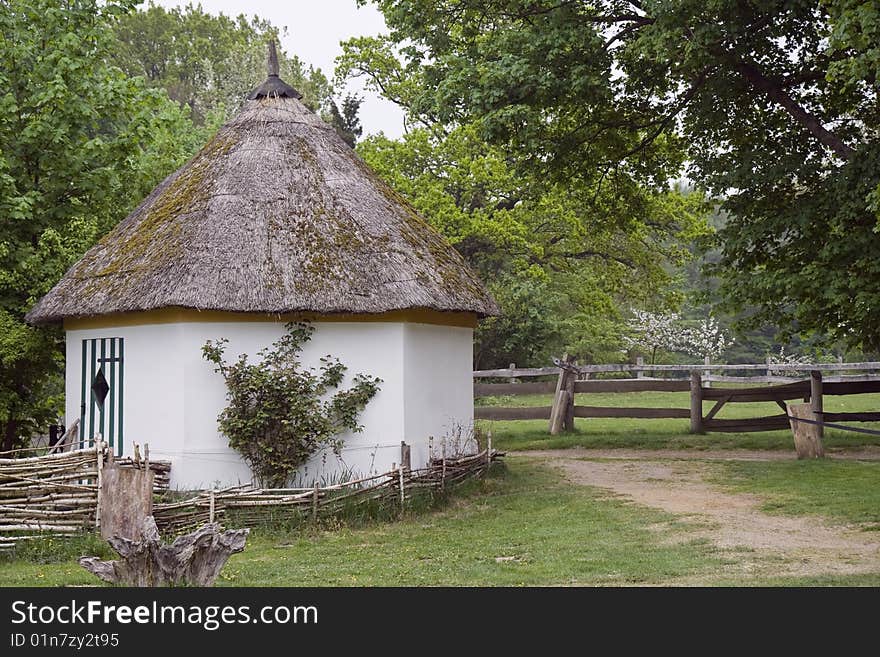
pixel 191 560
pixel 807 437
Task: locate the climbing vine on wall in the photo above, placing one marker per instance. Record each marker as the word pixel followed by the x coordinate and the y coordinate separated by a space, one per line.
pixel 280 413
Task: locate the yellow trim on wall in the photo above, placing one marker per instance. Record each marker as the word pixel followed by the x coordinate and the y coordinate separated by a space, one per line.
pixel 179 315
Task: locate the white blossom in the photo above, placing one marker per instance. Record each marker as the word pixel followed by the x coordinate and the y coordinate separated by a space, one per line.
pixel 652 332
pixel 706 340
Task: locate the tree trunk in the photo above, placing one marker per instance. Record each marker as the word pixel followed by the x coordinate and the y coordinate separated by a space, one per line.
pixel 194 559
pixel 10 433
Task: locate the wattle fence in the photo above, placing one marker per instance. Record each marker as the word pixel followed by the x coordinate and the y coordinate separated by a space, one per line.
pixel 56 494
pixel 61 494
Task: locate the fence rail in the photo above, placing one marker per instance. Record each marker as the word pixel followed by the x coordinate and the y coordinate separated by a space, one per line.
pixel 247 504
pixel 571 379
pixel 56 494
pixel 59 494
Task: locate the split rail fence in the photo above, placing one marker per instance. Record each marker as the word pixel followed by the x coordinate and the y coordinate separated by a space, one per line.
pixel 572 379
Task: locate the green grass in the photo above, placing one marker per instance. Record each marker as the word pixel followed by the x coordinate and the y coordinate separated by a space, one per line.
pixel 848 491
pixel 525 528
pixel 664 433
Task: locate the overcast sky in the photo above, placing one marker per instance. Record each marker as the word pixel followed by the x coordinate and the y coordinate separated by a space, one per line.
pixel 314 30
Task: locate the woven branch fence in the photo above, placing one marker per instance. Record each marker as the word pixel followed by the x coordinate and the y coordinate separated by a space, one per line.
pixel 56 494
pixel 247 505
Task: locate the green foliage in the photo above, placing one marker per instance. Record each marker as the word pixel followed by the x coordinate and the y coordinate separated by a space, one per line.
pixel 80 144
pixel 564 261
pixel 279 413
pixel 346 120
pixel 208 63
pixel 771 107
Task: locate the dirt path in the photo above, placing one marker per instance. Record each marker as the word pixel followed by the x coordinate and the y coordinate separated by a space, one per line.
pixel 753 543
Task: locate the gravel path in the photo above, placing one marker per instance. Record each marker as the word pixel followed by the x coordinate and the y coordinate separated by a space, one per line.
pixel 758 544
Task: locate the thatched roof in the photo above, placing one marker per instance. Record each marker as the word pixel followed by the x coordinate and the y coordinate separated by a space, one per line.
pixel 276 214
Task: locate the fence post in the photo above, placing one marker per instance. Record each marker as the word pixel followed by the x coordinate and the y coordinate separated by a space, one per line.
pixel 99 450
pixel 816 398
pixel 568 419
pixel 211 506
pixel 443 470
pixel 640 360
pixel 696 402
pixel 562 412
pixel 488 449
pixel 405 455
pixel 402 495
pixel 706 361
pixel 315 502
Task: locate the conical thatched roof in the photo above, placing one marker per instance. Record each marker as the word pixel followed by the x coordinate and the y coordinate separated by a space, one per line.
pixel 276 214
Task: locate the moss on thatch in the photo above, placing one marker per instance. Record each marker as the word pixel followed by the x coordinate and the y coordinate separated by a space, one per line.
pixel 276 214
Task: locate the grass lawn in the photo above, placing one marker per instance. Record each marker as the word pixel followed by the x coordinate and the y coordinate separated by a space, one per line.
pixel 664 433
pixel 847 491
pixel 527 527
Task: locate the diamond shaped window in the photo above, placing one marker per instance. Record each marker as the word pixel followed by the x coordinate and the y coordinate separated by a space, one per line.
pixel 100 388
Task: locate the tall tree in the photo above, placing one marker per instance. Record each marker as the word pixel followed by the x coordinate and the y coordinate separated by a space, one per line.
pixel 563 259
pixel 80 144
pixel 773 106
pixel 209 62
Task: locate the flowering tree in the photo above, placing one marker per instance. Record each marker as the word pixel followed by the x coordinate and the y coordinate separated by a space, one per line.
pixel 783 358
pixel 706 340
pixel 653 331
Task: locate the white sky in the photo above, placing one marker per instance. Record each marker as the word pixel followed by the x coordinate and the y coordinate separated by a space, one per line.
pixel 314 30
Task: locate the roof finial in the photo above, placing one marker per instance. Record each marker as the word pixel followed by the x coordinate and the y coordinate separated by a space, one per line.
pixel 274 86
pixel 273 60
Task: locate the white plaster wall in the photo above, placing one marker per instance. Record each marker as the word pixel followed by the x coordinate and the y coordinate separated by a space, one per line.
pixel 173 396
pixel 153 387
pixel 373 348
pixel 438 381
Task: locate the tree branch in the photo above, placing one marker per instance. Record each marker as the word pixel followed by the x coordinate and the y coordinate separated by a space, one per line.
pixel 776 93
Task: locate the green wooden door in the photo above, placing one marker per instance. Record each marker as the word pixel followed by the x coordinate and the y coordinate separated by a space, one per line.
pixel 102 392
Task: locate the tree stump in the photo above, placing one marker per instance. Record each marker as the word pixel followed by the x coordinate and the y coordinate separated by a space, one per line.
pixel 807 437
pixel 126 501
pixel 191 560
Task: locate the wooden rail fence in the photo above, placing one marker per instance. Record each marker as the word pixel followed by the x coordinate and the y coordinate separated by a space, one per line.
pixel 572 379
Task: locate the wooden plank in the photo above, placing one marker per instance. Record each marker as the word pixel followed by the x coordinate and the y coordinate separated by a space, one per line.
pixel 512 413
pixel 816 392
pixel 824 367
pixel 850 387
pixel 717 407
pixel 696 410
pixel 851 417
pixel 517 372
pixel 631 385
pixel 607 411
pixel 807 437
pixel 796 370
pixel 499 389
pixel 748 425
pixel 126 501
pixel 720 378
pixel 759 393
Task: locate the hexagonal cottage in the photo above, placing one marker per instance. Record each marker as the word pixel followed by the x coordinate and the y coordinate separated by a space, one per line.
pixel 275 219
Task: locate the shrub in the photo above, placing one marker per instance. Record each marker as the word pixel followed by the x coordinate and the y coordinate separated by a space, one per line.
pixel 278 412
